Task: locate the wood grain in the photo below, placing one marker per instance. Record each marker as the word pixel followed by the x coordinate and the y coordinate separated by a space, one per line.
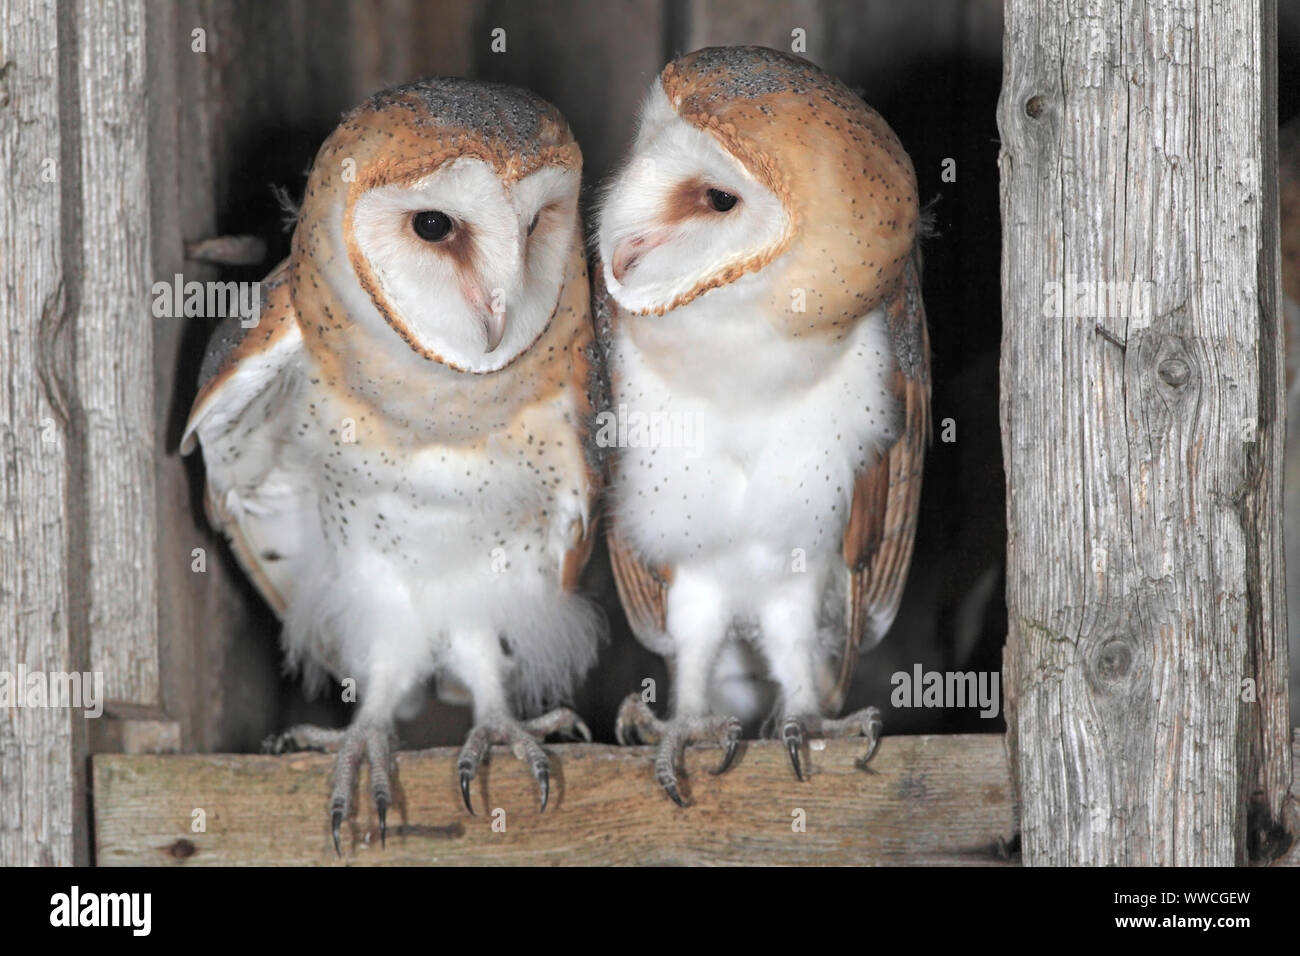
pixel 1144 579
pixel 923 800
pixel 114 348
pixel 39 747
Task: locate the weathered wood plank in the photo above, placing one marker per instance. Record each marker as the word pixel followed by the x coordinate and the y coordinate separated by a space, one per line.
pixel 863 41
pixel 1263 503
pixel 593 61
pixel 1288 157
pixel 114 347
pixel 1144 585
pixel 39 795
pixel 924 800
pixel 396 41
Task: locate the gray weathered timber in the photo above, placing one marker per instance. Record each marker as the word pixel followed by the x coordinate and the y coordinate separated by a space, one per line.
pixel 924 800
pixel 1144 581
pixel 39 747
pixel 114 344
pixel 79 575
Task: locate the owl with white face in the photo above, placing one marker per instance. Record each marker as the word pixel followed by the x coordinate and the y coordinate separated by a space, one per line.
pixel 765 338
pixel 398 450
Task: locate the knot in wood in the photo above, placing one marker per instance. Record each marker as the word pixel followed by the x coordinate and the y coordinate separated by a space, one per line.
pixel 1113 661
pixel 1174 372
pixel 1034 107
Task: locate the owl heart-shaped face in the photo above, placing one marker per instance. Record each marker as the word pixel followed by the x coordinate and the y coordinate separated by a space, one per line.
pixel 465 265
pixel 440 220
pixel 755 175
pixel 683 215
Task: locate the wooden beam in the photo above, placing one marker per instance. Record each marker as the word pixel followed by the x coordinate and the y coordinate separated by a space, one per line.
pixel 1142 437
pixel 924 800
pixel 39 746
pixel 113 351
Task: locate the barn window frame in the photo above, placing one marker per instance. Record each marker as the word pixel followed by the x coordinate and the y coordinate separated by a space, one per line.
pixel 102 529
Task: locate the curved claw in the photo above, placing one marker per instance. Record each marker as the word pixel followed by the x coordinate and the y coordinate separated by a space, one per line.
pixel 670 787
pixel 582 730
pixel 336 821
pixel 871 752
pixel 793 735
pixel 465 778
pixel 381 805
pixel 733 744
pixel 627 730
pixel 544 784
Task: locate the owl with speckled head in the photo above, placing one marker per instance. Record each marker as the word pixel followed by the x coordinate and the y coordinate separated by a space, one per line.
pixel 759 305
pixel 398 451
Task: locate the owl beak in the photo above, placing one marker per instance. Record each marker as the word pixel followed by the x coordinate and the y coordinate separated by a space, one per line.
pixel 494 328
pixel 491 318
pixel 631 251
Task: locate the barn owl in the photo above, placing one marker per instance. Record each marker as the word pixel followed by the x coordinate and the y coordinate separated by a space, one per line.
pixel 762 321
pixel 398 450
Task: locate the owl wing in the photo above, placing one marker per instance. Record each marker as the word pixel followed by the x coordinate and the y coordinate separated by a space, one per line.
pixel 886 494
pixel 588 386
pixel 642 589
pixel 247 376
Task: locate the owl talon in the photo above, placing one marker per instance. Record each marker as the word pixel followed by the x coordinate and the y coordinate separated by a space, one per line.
pixel 466 775
pixel 304 737
pixel 636 723
pixel 522 738
pixel 864 723
pixel 792 734
pixel 673 737
pixel 361 741
pixel 727 759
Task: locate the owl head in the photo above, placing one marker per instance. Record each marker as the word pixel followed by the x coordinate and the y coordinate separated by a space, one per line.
pixel 441 215
pixel 753 173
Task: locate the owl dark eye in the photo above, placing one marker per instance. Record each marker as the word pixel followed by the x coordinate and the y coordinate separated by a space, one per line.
pixel 721 201
pixel 431 225
pixel 533 225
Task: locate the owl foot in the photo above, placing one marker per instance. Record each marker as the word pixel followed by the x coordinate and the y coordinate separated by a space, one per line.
pixel 795 729
pixel 522 737
pixel 637 722
pixel 373 741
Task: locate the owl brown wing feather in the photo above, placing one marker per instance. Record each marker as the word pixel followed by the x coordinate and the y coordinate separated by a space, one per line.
pixel 588 386
pixel 246 374
pixel 886 494
pixel 642 589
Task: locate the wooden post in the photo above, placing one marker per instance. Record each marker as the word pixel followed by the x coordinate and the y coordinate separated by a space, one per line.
pixel 38 753
pixel 1142 435
pixel 78 576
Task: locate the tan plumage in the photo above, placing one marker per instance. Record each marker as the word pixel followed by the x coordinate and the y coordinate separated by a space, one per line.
pixel 399 450
pixel 831 212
